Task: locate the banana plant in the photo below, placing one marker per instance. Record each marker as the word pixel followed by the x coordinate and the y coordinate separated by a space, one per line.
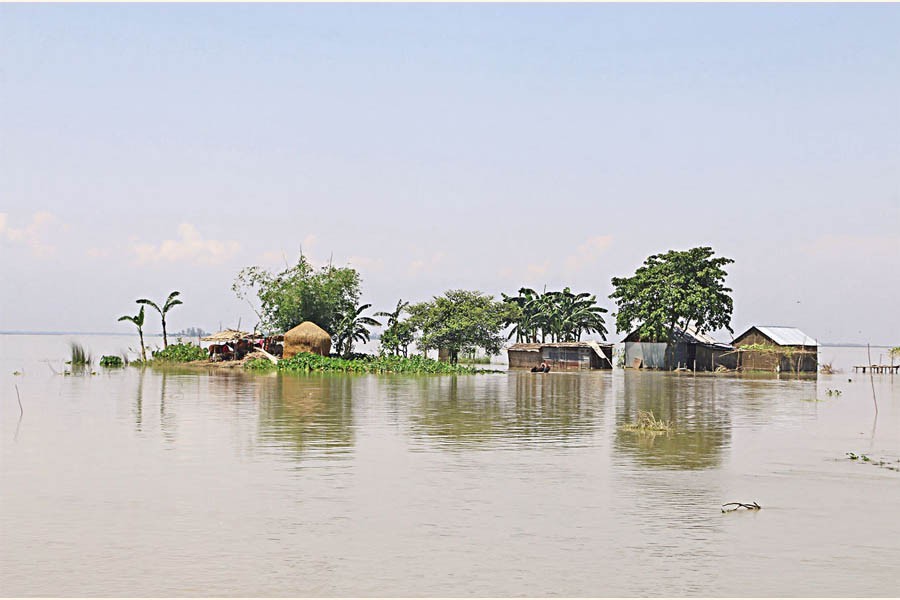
pixel 171 302
pixel 138 320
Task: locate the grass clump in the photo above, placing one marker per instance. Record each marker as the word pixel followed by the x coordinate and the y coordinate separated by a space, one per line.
pixel 111 362
pixel 647 422
pixel 306 362
pixel 180 353
pixel 79 358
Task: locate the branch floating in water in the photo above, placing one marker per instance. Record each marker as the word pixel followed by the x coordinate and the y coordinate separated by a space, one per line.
pixel 737 505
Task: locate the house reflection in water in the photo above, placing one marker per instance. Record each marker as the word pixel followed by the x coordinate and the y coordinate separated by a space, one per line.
pixel 514 409
pixel 701 424
pixel 307 414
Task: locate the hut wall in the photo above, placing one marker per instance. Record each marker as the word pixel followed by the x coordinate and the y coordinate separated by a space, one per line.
pixel 600 363
pixel 566 359
pixel 707 357
pixel 523 359
pixel 653 354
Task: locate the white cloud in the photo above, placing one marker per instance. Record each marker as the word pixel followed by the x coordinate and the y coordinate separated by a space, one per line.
pixel 587 253
pixel 35 236
pixel 425 264
pixel 190 247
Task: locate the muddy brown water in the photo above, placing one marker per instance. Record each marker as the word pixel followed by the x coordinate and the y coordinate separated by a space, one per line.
pixel 177 483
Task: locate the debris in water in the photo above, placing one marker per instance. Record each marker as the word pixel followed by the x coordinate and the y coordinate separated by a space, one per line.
pixel 736 505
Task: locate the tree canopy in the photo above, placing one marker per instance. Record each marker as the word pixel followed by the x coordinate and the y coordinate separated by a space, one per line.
pixel 678 289
pixel 461 321
pixel 301 293
pixel 564 316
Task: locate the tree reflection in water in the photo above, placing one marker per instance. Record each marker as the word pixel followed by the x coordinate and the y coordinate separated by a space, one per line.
pixel 701 424
pixel 515 408
pixel 308 414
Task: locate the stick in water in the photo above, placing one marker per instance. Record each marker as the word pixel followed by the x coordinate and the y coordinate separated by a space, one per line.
pixel 19 398
pixel 872 378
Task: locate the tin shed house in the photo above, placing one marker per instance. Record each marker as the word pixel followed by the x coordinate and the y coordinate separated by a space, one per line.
pixel 561 356
pixel 774 348
pixel 690 350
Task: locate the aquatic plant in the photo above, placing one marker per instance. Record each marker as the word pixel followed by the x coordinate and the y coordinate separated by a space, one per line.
pixel 180 353
pixel 80 358
pixel 111 362
pixel 306 362
pixel 647 421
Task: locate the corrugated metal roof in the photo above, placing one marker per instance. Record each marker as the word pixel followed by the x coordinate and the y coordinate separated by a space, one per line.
pixel 688 336
pixel 787 336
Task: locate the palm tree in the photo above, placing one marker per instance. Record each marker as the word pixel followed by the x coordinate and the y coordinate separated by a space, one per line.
pixel 171 302
pixel 138 320
pixel 353 327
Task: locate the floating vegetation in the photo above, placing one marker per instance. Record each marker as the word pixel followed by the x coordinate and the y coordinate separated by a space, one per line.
pixel 647 422
pixel 884 464
pixel 828 369
pixel 307 362
pixel 111 362
pixel 180 353
pixel 831 392
pixel 733 506
pixel 79 356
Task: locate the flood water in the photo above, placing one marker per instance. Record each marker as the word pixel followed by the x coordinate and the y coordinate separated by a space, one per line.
pixel 180 483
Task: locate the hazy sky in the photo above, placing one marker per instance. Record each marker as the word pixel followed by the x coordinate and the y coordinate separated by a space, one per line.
pixel 147 148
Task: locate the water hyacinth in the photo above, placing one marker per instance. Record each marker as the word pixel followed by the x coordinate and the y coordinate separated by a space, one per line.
pixel 307 362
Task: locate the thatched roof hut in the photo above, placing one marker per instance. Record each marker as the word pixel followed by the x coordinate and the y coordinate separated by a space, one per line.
pixel 306 337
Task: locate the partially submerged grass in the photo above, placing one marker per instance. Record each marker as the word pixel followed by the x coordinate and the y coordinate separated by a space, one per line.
pixel 79 359
pixel 647 422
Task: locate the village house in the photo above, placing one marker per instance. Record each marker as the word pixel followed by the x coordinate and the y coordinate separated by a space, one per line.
pixel 774 348
pixel 561 356
pixel 689 350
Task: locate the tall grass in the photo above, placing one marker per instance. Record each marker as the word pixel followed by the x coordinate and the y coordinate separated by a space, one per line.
pixel 80 358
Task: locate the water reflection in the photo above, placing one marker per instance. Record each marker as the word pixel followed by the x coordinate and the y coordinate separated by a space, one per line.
pixel 515 408
pixel 307 413
pixel 701 425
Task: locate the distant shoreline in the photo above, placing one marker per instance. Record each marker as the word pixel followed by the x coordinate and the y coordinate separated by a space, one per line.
pixel 175 335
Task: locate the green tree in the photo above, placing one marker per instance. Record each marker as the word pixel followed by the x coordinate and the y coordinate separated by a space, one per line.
pixel 563 316
pixel 399 334
pixel 678 289
pixel 138 320
pixel 170 303
pixel 461 321
pixel 353 327
pixel 300 293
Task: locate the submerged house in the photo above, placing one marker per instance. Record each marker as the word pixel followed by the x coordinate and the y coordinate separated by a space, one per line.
pixel 690 350
pixel 561 356
pixel 774 348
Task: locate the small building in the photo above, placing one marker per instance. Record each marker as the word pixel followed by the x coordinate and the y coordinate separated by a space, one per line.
pixel 690 350
pixel 774 348
pixel 306 337
pixel 561 356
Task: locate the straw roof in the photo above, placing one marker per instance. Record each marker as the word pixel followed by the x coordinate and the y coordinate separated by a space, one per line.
pixel 307 337
pixel 227 336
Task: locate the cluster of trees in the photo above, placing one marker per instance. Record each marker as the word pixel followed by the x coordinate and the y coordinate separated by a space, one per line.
pixel 677 289
pixel 560 316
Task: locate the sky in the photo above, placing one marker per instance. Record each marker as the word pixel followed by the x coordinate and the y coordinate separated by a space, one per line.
pixel 151 148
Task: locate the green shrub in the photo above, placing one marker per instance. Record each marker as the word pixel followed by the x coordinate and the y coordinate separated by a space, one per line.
pixel 180 353
pixel 111 362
